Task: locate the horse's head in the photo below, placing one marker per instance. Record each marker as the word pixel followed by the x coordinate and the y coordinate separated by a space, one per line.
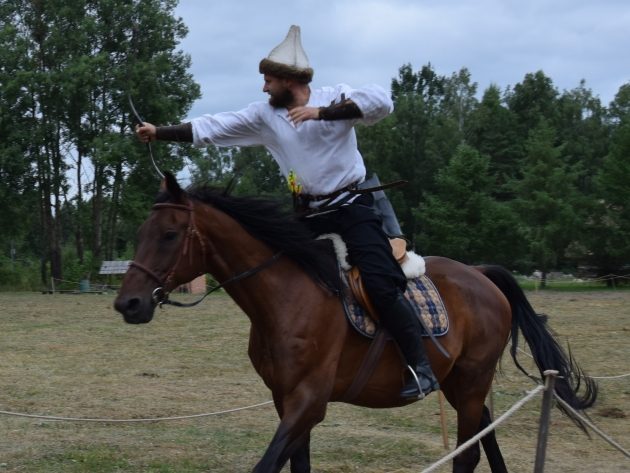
pixel 164 257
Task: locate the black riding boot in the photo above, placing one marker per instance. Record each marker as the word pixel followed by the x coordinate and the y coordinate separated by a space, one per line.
pixel 401 322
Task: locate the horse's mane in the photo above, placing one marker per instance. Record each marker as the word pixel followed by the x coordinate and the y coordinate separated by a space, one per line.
pixel 271 222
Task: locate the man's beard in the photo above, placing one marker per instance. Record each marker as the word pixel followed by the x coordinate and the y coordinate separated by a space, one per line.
pixel 283 100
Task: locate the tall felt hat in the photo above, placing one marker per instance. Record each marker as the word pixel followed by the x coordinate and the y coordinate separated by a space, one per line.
pixel 288 59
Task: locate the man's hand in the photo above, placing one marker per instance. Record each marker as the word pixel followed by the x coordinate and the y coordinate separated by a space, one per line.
pixel 301 114
pixel 146 132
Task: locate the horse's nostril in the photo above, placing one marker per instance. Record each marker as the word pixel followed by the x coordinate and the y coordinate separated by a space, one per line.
pixel 127 306
pixel 133 304
pixel 135 310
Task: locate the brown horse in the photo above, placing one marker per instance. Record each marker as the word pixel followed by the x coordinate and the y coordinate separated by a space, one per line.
pixel 300 342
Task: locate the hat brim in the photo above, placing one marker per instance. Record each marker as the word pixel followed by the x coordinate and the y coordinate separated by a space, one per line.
pixel 285 71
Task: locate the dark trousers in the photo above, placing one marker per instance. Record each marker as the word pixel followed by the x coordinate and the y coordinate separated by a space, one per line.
pixel 368 249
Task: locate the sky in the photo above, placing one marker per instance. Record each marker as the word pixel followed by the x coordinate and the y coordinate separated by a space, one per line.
pixel 366 41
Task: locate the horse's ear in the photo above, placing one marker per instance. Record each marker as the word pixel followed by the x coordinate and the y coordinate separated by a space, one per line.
pixel 169 184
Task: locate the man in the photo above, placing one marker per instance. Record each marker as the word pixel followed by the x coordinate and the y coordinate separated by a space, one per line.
pixel 310 134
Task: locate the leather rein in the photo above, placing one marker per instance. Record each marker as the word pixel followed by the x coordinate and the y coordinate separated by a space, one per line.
pixel 160 296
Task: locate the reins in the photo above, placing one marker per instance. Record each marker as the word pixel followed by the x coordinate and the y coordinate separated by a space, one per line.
pixel 159 295
pixel 235 278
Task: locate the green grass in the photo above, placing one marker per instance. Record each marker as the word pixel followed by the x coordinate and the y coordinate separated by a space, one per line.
pixel 570 286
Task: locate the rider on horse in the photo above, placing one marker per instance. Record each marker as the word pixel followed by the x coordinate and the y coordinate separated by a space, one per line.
pixel 310 134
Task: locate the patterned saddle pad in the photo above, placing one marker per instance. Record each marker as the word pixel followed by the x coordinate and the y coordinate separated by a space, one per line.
pixel 422 294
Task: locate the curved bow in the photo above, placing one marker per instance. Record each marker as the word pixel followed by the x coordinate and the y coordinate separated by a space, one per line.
pixel 140 122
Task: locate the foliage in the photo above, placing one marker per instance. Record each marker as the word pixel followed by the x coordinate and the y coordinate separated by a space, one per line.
pixel 546 199
pixel 461 219
pixel 67 69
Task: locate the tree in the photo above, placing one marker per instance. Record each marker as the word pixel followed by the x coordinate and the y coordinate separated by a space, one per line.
pixel 67 68
pixel 417 140
pixel 532 100
pixel 493 133
pixel 461 219
pixel 583 131
pixel 609 227
pixel 546 200
pixel 460 100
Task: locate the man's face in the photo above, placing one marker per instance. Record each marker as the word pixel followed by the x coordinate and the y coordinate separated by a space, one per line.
pixel 280 94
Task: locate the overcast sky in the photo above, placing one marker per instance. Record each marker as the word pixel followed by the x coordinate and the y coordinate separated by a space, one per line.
pixel 366 41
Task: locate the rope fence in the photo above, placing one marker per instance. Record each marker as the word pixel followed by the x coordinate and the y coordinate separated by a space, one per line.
pixel 485 431
pixel 141 420
pixel 184 417
pixel 619 376
pixel 543 427
pixel 593 427
pixel 55 282
pixel 608 277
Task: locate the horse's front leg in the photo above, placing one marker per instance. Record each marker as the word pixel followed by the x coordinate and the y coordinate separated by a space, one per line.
pixel 299 413
pixel 301 458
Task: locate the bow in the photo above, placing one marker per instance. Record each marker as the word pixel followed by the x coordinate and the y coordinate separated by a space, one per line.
pixel 140 122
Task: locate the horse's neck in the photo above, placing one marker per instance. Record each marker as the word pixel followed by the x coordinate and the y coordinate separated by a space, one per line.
pixel 233 251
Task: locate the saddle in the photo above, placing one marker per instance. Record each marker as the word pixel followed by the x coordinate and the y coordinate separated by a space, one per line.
pixel 399 251
pixel 420 291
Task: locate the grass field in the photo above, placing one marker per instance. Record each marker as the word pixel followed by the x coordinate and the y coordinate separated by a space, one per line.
pixel 73 356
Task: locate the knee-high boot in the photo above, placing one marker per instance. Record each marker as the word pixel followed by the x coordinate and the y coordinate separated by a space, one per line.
pixel 403 325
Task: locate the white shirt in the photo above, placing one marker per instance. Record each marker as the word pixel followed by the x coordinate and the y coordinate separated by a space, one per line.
pixel 323 155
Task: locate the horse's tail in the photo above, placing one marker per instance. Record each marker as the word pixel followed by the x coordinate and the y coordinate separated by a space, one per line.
pixel 547 353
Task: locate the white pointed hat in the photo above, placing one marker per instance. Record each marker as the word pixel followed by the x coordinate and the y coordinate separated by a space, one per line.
pixel 288 59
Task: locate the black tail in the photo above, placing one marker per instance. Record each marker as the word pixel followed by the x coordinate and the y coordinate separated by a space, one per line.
pixel 547 353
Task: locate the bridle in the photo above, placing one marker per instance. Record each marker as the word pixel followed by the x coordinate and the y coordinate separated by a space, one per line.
pixel 160 295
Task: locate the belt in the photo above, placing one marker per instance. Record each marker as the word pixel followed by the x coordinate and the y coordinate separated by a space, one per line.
pixel 352 189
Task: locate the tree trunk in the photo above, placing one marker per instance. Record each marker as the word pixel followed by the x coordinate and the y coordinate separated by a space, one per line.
pixel 78 230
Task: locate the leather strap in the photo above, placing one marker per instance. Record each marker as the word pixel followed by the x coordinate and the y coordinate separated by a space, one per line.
pixel 367 366
pixel 182 133
pixel 344 110
pixel 353 189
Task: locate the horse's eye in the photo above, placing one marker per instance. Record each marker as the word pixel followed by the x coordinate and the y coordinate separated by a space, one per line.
pixel 170 235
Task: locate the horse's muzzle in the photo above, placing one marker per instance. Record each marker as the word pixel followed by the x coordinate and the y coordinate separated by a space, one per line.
pixel 135 310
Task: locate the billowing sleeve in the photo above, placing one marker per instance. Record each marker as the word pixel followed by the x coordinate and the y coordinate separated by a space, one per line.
pixel 242 128
pixel 373 101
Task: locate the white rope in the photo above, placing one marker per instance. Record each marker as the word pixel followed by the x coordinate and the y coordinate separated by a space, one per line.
pixel 592 426
pixel 485 431
pixel 154 419
pixel 592 377
pixel 611 377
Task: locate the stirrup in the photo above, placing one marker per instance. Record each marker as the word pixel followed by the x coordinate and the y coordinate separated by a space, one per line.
pixel 421 394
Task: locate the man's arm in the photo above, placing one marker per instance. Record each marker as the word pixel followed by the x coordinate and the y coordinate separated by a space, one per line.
pixel 369 104
pixel 182 133
pixel 149 132
pixel 346 109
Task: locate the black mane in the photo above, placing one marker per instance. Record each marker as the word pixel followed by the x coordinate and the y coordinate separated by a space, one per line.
pixel 277 226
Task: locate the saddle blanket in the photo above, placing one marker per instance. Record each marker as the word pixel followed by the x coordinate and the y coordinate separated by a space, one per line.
pixel 422 294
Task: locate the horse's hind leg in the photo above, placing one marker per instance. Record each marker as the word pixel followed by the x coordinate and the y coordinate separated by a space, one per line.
pixel 490 445
pixel 467 393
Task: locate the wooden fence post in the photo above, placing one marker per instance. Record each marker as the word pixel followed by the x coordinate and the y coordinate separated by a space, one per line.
pixel 545 414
